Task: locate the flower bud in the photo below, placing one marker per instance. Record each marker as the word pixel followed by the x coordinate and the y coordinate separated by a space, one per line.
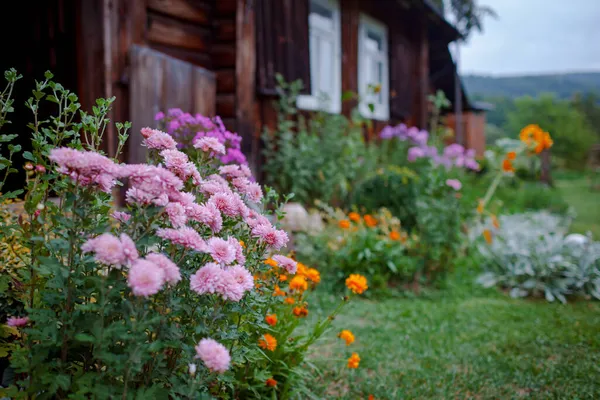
pixel 40 168
pixel 28 166
pixel 40 206
pixel 36 213
pixel 192 369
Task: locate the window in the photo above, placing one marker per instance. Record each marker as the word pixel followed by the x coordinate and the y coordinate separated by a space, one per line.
pixel 325 57
pixel 373 81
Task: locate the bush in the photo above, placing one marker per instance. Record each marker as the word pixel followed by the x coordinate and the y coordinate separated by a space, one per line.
pixel 530 255
pixel 172 296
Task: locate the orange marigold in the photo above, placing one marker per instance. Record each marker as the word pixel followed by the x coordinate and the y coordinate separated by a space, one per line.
pixel 511 155
pixel 353 361
pixel 344 224
pixel 480 207
pixel 531 135
pixel 267 342
pixel 269 261
pixel 298 283
pixel 487 235
pixel 278 291
pixel 354 216
pixel 289 300
pixel 313 275
pixel 495 222
pixel 242 243
pixel 271 382
pixel 507 166
pixel 394 235
pixel 357 283
pixel 283 277
pixel 346 336
pixel 271 319
pixel 301 269
pixel 545 143
pixel 370 221
pixel 300 311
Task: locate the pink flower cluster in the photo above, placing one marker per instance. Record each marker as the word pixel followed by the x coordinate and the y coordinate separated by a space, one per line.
pixel 285 262
pixel 149 184
pixel 214 355
pixel 157 140
pixel 86 168
pixel 147 276
pixel 110 250
pixel 230 283
pixel 17 322
pixel 178 163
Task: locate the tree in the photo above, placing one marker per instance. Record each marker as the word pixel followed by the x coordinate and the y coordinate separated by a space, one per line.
pixel 569 128
pixel 589 105
pixel 467 14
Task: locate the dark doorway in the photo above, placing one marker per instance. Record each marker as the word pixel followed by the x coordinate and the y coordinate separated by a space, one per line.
pixel 38 36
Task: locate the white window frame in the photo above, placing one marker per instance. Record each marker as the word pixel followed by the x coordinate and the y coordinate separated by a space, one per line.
pixel 330 102
pixel 381 109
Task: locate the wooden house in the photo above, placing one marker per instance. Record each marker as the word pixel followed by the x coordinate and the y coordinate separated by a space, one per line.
pixel 220 57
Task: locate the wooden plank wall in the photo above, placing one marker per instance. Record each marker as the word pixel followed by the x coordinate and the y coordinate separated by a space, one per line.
pixel 160 82
pixel 223 54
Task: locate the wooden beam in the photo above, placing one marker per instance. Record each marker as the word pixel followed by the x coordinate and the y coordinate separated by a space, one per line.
pixel 225 30
pixel 186 10
pixel 226 7
pixel 350 20
pixel 226 105
pixel 169 32
pixel 245 74
pixel 226 81
pixel 224 56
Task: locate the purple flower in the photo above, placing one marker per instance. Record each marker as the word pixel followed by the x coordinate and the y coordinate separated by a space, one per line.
pixel 159 115
pixel 454 184
pixel 414 153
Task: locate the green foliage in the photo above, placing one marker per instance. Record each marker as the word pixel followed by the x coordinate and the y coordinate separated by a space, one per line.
pixel 393 188
pixel 570 130
pixel 315 159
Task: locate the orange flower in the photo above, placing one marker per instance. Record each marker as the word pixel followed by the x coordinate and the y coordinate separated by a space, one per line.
pixel 289 300
pixel 269 261
pixel 267 342
pixel 545 143
pixel 480 207
pixel 313 275
pixel 344 224
pixel 531 135
pixel 487 235
pixel 283 277
pixel 271 319
pixel 301 269
pixel 371 397
pixel 354 216
pixel 370 221
pixel 495 222
pixel 299 284
pixel 357 283
pixel 507 166
pixel 394 235
pixel 271 382
pixel 347 336
pixel 278 292
pixel 242 243
pixel 300 311
pixel 353 361
pixel 511 155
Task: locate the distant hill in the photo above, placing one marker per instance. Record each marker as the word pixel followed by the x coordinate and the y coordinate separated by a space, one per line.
pixel 562 85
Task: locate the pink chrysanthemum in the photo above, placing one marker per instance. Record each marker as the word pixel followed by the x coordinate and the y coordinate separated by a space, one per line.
pixel 246 171
pixel 151 185
pixel 86 168
pixel 242 276
pixel 207 279
pixel 208 143
pixel 253 192
pixel 186 199
pixel 225 202
pixel 214 355
pixel 207 214
pixel 17 322
pixel 286 262
pixel 171 271
pixel 177 215
pixel 229 288
pixel 121 216
pixel 254 218
pixel 232 171
pixel 221 250
pixel 184 236
pixel 145 278
pixel 109 250
pixel 454 184
pixel 178 163
pixel 240 183
pixel 274 238
pixel 158 140
pixel 239 250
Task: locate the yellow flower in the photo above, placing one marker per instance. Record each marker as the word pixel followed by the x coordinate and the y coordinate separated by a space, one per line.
pixel 370 221
pixel 357 283
pixel 487 235
pixel 354 216
pixel 353 361
pixel 394 235
pixel 269 261
pixel 267 342
pixel 313 275
pixel 300 311
pixel 299 284
pixel 347 336
pixel 344 224
pixel 271 319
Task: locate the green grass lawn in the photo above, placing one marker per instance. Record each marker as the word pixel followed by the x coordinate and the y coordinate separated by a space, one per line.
pixel 576 190
pixel 464 343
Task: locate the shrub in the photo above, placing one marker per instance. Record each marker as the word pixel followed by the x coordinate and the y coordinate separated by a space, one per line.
pixel 157 299
pixel 530 255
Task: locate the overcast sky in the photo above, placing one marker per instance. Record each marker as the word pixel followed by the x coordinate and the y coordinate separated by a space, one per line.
pixel 535 36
